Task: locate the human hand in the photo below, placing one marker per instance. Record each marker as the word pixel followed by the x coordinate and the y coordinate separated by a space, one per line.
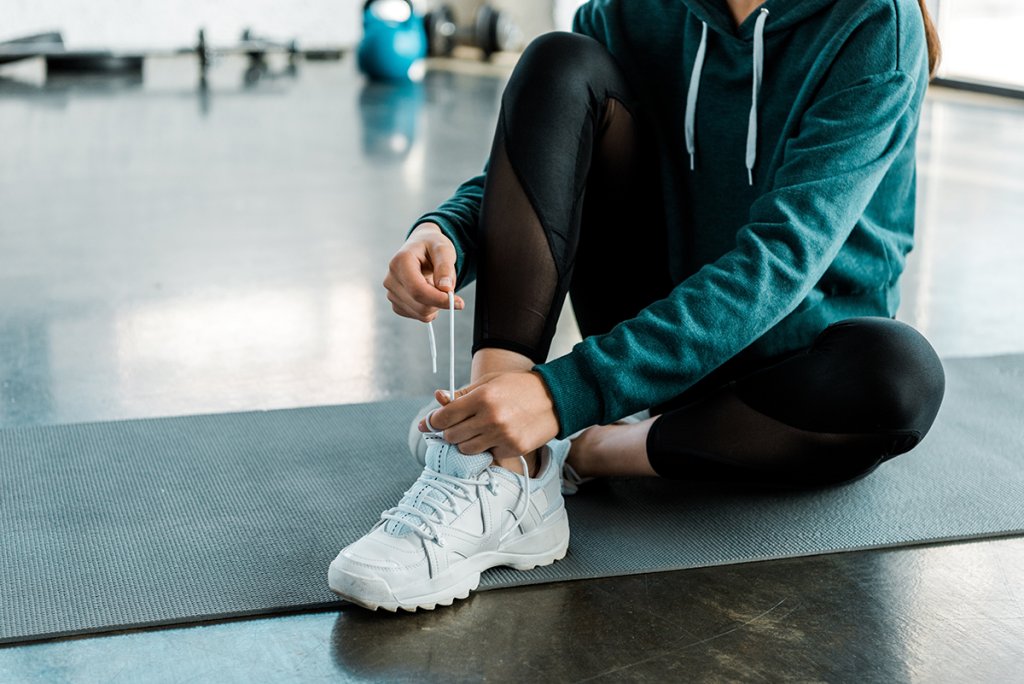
pixel 507 414
pixel 421 274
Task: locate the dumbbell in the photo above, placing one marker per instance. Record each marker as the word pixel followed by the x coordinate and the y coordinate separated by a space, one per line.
pixel 491 31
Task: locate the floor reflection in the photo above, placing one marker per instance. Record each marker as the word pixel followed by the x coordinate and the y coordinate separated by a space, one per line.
pixel 227 260
pixel 901 615
pixel 939 613
pixel 538 633
pixel 389 113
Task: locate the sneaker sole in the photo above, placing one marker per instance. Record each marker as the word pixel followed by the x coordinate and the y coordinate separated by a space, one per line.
pixel 373 592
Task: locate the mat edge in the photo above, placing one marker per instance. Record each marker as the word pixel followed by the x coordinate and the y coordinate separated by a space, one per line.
pixel 340 604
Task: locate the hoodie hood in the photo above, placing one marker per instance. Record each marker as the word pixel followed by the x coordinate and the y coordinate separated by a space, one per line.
pixel 783 13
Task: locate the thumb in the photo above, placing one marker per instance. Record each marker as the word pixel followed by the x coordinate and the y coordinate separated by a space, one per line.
pixel 442 258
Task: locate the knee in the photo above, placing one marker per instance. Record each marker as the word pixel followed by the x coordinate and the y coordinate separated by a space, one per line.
pixel 899 375
pixel 565 55
pixel 560 63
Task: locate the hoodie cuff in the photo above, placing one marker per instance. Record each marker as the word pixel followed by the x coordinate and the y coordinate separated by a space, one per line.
pixel 575 391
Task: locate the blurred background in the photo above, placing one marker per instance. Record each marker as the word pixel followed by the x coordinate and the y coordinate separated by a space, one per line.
pixel 155 24
pixel 979 36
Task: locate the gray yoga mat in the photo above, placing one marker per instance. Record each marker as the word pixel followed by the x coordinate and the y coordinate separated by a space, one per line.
pixel 151 522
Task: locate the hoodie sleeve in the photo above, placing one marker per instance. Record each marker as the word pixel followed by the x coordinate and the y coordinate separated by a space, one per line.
pixel 829 173
pixel 589 20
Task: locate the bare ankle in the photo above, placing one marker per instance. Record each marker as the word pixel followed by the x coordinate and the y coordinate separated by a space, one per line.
pixel 515 465
pixel 612 450
pixel 580 450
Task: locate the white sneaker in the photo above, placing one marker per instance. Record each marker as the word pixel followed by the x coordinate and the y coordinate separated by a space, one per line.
pixel 418 445
pixel 461 517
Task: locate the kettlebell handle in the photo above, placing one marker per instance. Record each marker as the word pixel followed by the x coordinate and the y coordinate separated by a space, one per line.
pixel 412 9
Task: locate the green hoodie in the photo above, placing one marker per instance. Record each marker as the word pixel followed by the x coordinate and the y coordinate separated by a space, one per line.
pixel 817 231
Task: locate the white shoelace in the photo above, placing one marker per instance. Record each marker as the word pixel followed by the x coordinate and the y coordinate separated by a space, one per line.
pixel 448 486
pixel 426 522
pixel 451 345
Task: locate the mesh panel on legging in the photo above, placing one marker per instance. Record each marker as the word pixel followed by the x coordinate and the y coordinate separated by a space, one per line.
pixel 563 175
pixel 517 281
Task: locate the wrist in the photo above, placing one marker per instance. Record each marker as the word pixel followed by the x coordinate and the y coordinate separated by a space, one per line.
pixel 426 228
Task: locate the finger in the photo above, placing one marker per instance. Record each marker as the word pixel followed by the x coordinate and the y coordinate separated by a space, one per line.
pixel 408 271
pixel 423 315
pixel 404 305
pixel 441 397
pixel 471 387
pixel 442 258
pixel 452 414
pixel 416 300
pixel 464 412
pixel 413 301
pixel 463 432
pixel 405 313
pixel 420 313
pixel 477 445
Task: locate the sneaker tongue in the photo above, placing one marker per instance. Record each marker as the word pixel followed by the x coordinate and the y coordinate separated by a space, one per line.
pixel 446 458
pixel 443 458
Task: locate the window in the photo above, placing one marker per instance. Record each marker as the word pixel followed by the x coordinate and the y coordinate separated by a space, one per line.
pixel 981 41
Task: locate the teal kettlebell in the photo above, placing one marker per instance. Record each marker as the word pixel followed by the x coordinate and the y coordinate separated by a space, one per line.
pixel 394 42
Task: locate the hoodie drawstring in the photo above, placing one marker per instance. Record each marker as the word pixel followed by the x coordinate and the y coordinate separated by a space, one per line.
pixel 758 71
pixel 691 93
pixel 694 89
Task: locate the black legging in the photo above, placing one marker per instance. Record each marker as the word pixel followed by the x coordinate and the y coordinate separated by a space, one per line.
pixel 571 204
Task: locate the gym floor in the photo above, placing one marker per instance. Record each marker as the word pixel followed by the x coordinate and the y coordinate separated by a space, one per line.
pixel 174 249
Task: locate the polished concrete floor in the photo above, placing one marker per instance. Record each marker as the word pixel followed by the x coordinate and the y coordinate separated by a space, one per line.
pixel 175 249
